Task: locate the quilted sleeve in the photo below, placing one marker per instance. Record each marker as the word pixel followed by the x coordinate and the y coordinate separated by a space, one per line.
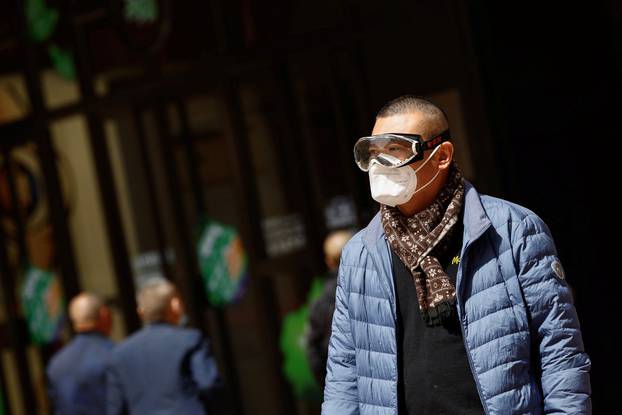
pixel 340 391
pixel 563 364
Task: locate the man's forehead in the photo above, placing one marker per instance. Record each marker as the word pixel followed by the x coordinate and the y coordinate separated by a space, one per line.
pixel 409 123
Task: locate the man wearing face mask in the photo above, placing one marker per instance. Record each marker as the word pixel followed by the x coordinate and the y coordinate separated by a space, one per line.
pixel 449 302
pixel 162 368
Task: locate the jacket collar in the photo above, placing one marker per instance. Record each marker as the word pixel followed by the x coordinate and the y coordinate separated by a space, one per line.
pixel 476 221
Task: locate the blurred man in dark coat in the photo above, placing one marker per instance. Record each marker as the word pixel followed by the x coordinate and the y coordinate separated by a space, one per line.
pixel 321 310
pixel 76 374
pixel 162 368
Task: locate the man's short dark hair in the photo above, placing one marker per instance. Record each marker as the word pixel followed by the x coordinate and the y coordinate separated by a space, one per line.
pixel 437 119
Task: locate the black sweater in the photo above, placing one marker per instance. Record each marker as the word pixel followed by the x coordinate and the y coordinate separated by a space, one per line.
pixel 433 368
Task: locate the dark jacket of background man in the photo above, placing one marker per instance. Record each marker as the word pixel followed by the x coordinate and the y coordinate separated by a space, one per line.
pixel 76 374
pixel 162 368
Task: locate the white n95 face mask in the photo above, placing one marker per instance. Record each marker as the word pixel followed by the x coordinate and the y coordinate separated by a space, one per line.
pixel 396 186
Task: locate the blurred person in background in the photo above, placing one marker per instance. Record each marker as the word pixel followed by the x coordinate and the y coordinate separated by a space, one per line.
pixel 449 302
pixel 163 368
pixel 321 310
pixel 76 374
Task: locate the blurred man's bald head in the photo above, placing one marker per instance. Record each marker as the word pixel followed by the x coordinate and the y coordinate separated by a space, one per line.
pixel 88 312
pixel 158 300
pixel 333 245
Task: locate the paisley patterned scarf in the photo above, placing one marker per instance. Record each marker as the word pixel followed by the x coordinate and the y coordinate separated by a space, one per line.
pixel 419 239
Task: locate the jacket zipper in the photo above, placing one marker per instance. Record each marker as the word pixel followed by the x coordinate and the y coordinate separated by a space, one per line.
pixel 466 347
pixel 479 388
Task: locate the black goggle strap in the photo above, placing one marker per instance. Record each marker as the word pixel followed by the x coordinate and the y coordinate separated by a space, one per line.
pixel 432 143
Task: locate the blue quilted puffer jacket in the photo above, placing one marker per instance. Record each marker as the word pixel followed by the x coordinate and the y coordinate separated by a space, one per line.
pixel 520 327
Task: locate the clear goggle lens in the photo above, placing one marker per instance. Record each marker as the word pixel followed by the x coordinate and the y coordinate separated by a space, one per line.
pixel 393 150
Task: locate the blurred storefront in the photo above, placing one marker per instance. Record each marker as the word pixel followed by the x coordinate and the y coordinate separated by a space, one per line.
pixel 111 167
pixel 127 128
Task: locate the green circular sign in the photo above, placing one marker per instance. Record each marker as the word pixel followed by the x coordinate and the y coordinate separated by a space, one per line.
pixel 223 263
pixel 43 305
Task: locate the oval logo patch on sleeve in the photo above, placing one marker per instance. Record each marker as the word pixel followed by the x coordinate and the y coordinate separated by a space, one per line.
pixel 558 270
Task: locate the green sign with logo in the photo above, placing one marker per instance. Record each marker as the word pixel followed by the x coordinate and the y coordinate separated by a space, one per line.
pixel 42 23
pixel 43 305
pixel 223 263
pixel 42 19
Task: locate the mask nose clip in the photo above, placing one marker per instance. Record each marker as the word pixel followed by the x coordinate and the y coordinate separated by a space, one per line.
pixel 389 159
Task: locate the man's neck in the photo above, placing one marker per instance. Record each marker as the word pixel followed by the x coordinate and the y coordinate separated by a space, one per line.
pixel 418 202
pixel 89 332
pixel 409 210
pixel 162 321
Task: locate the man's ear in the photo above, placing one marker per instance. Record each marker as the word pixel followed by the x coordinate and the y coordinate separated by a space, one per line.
pixel 176 304
pixel 104 313
pixel 330 262
pixel 445 155
pixel 105 320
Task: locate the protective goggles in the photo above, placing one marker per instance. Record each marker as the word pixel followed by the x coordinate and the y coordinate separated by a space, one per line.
pixel 394 149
